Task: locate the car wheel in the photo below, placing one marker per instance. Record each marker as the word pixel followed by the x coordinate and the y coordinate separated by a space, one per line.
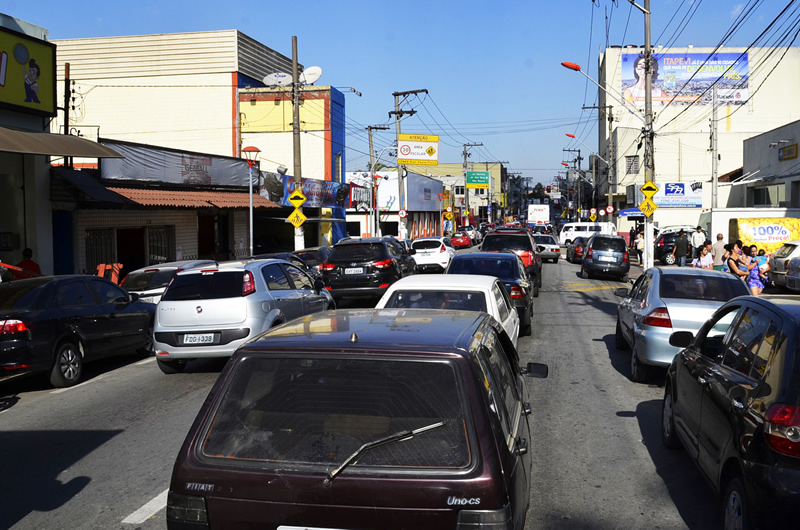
pixel 639 371
pixel 148 350
pixel 539 278
pixel 536 289
pixel 68 366
pixel 619 339
pixel 735 511
pixel 668 436
pixel 172 367
pixel 668 259
pixel 525 329
pixel 584 273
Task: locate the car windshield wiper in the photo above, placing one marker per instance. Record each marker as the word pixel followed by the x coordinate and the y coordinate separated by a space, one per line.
pixel 397 437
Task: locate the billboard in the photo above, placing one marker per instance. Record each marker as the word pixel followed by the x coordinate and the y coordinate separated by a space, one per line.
pixel 679 195
pixel 319 193
pixel 686 78
pixel 27 73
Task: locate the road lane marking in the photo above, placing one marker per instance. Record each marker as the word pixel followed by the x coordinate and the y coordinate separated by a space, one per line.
pixel 597 288
pixel 148 510
pixel 146 361
pixel 80 384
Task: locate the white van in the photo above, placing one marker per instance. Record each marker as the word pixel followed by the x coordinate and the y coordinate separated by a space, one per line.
pixel 569 231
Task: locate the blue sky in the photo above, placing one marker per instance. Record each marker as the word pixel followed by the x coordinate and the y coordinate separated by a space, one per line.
pixel 492 69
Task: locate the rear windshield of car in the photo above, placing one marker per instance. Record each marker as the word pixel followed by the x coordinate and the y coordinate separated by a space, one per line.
pixel 544 240
pixel 20 295
pixel 463 300
pixel 311 411
pixel 506 242
pixel 426 244
pixel 697 287
pixel 608 243
pixel 503 268
pixel 205 286
pixel 363 252
pixel 145 280
pixel 784 251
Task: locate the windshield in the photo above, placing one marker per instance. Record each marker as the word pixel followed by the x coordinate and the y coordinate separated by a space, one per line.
pixel 544 240
pixel 426 244
pixel 609 243
pixel 463 300
pixel 784 251
pixel 701 287
pixel 506 242
pixel 358 252
pixel 219 284
pixel 314 411
pixel 148 279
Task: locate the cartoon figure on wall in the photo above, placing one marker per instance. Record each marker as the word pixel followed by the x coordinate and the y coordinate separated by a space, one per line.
pixel 32 82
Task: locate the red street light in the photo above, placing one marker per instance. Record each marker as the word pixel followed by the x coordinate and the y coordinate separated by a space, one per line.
pixel 572 66
pixel 564 164
pixel 570 135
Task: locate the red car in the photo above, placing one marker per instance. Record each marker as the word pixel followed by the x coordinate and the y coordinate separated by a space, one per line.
pixel 461 240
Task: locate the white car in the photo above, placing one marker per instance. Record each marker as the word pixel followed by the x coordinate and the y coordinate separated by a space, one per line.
pixel 474 235
pixel 433 253
pixel 465 292
pixel 150 282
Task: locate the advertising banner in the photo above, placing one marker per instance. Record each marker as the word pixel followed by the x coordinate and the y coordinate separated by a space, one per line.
pixel 418 149
pixel 685 78
pixel 319 193
pixel 769 233
pixel 27 73
pixel 679 195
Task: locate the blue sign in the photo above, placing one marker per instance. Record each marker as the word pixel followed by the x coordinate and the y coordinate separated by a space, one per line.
pixel 631 212
pixel 674 189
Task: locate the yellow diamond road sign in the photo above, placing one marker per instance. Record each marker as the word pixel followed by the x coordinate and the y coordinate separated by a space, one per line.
pixel 430 151
pixel 649 189
pixel 448 215
pixel 297 218
pixel 593 217
pixel 648 207
pixel 297 199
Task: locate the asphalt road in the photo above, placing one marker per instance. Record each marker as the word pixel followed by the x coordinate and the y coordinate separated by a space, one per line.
pixel 99 455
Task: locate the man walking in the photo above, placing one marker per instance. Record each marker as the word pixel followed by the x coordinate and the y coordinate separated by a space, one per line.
pixel 698 239
pixel 718 252
pixel 681 249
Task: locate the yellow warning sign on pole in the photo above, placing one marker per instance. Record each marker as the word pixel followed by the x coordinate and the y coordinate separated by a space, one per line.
pixel 297 218
pixel 649 189
pixel 648 207
pixel 297 198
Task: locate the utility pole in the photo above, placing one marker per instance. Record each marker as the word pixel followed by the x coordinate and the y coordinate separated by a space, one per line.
pixel 714 153
pixel 375 221
pixel 67 160
pixel 401 170
pixel 649 162
pixel 466 189
pixel 608 110
pixel 299 232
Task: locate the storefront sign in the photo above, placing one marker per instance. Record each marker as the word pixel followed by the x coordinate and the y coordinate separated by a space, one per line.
pixel 679 195
pixel 27 73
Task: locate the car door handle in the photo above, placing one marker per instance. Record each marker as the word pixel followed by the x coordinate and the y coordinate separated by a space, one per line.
pixel 527 409
pixel 702 380
pixel 737 404
pixel 522 446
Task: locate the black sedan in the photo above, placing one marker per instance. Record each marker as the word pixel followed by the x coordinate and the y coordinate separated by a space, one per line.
pixel 56 323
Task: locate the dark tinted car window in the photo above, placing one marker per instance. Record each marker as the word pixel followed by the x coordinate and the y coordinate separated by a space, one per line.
pixel 149 279
pixel 426 244
pixel 205 286
pixel 720 289
pixel 74 294
pixel 506 241
pixel 275 278
pixel 299 278
pixel 19 295
pixel 106 292
pixel 311 411
pixel 753 332
pixel 784 251
pixel 463 300
pixel 544 240
pixel 353 252
pixel 609 243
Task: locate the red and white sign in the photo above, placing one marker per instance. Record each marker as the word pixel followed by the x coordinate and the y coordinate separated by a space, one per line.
pixel 449 209
pixel 610 209
pixel 602 213
pixel 402 213
pixel 593 211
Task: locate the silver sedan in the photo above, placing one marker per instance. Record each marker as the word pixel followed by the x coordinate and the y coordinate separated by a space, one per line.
pixel 664 300
pixel 549 250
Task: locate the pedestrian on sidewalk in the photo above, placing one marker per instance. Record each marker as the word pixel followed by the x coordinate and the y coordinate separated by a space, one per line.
pixel 698 240
pixel 703 259
pixel 681 249
pixel 639 246
pixel 718 253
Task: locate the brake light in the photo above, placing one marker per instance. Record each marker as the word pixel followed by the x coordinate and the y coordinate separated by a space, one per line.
pixel 442 249
pixel 589 252
pixel 782 428
pixel 248 284
pixel 625 257
pixel 383 264
pixel 12 326
pixel 661 242
pixel 327 266
pixel 516 292
pixel 658 317
pixel 526 256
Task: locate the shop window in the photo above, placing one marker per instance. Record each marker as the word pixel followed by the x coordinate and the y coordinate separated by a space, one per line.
pixel 99 248
pixel 632 164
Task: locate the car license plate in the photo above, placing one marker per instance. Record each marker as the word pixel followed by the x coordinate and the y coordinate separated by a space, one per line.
pixel 354 270
pixel 199 338
pixel 606 258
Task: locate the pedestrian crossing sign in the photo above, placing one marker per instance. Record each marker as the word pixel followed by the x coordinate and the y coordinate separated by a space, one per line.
pixel 297 218
pixel 648 207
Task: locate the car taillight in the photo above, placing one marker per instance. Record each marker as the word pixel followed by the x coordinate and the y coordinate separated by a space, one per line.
pixel 516 292
pixel 488 519
pixel 589 252
pixel 327 266
pixel 442 249
pixel 658 317
pixel 782 428
pixel 625 257
pixel 660 242
pixel 248 284
pixel 12 326
pixel 383 264
pixel 187 510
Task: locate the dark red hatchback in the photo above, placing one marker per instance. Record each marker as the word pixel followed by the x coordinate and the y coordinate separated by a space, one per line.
pixel 351 419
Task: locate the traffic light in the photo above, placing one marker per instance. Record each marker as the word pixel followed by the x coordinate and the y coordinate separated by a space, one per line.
pixel 548 189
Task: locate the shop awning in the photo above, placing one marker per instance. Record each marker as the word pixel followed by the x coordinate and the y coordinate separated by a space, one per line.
pixel 89 186
pixel 193 199
pixel 40 143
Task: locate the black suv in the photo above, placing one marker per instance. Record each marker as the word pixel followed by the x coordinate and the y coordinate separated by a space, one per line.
pixel 606 254
pixel 365 268
pixel 732 399
pixel 520 242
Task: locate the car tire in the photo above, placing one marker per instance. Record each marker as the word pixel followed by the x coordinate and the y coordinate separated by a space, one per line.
pixel 526 328
pixel 668 259
pixel 668 435
pixel 735 510
pixel 68 365
pixel 536 289
pixel 148 350
pixel 171 367
pixel 584 273
pixel 639 371
pixel 619 338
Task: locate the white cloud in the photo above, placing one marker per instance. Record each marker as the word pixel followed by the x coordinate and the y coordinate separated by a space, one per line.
pixel 737 9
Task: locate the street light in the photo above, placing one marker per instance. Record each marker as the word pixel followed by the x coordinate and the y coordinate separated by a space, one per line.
pixel 577 68
pixel 374 182
pixel 251 154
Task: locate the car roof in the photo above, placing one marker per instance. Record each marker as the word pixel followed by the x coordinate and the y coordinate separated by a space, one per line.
pixel 233 265
pixel 787 304
pixel 183 264
pixel 484 255
pixel 444 281
pixel 402 331
pixel 364 240
pixel 691 271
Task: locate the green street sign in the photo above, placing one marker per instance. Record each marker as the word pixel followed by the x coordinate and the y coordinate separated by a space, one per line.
pixel 478 180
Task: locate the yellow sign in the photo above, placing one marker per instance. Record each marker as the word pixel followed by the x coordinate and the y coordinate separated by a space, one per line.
pixel 649 189
pixel 27 73
pixel 297 199
pixel 297 218
pixel 648 207
pixel 564 214
pixel 448 216
pixel 593 217
pixel 418 137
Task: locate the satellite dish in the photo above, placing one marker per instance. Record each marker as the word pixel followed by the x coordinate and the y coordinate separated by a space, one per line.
pixel 278 79
pixel 310 75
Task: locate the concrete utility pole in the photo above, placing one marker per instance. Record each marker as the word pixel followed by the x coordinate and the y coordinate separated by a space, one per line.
pixel 401 170
pixel 714 153
pixel 608 110
pixel 299 232
pixel 466 189
pixel 372 161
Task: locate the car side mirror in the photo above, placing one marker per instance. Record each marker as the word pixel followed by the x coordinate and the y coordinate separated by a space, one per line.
pixel 411 252
pixel 319 285
pixel 133 297
pixel 540 248
pixel 681 339
pixel 622 292
pixel 537 370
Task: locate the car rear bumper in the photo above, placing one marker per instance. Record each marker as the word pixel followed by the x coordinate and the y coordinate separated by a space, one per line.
pixel 778 278
pixel 602 267
pixel 773 494
pixel 432 267
pixel 171 345
pixel 548 254
pixel 17 359
pixel 356 292
pixel 793 283
pixel 652 345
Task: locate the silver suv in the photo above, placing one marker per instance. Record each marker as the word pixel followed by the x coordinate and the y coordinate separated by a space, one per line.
pixel 211 311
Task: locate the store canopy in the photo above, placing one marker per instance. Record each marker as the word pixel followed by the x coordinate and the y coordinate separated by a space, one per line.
pixel 192 199
pixel 89 186
pixel 40 143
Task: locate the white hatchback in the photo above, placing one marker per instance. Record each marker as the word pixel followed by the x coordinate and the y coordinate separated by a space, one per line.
pixel 433 253
pixel 464 292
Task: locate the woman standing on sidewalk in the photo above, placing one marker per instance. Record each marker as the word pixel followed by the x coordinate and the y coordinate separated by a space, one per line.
pixel 639 244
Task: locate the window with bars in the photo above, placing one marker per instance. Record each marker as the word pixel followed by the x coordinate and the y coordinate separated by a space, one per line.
pixel 160 244
pixel 632 164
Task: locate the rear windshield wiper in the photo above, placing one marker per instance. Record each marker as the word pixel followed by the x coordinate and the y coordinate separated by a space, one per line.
pixel 397 437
